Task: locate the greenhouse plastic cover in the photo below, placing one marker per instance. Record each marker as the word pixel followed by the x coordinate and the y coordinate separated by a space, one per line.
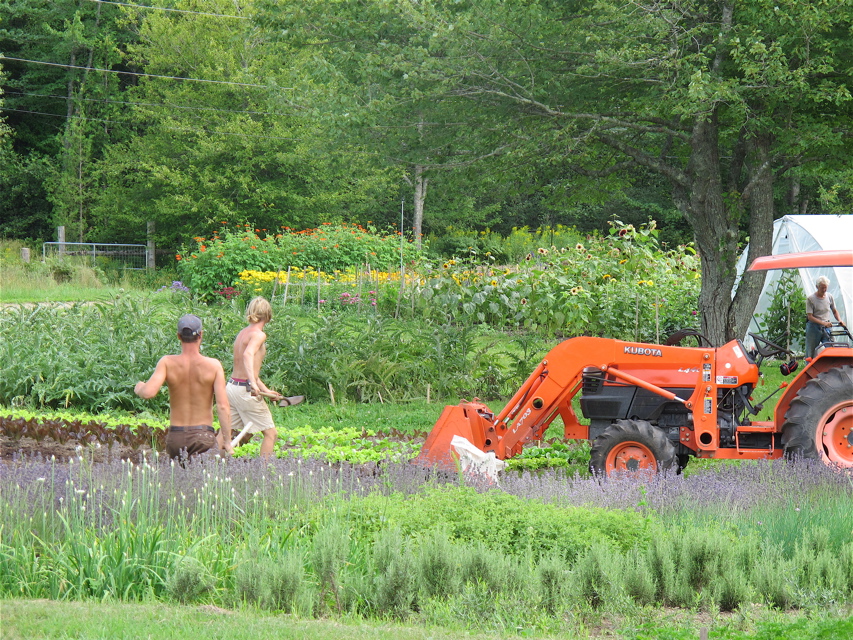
pixel 794 234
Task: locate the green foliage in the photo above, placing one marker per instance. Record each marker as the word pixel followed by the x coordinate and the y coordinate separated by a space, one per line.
pixel 249 582
pixel 555 455
pixel 784 322
pixel 500 521
pixel 488 246
pixel 285 583
pixel 89 356
pixel 395 578
pixel 621 285
pixel 437 564
pixel 214 263
pixel 328 555
pixel 188 581
pixel 229 534
pixel 552 578
pixel 595 576
pixel 335 444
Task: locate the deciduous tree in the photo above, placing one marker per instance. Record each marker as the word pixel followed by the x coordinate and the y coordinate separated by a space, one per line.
pixel 721 98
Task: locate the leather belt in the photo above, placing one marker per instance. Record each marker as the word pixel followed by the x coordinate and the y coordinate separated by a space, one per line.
pixel 199 428
pixel 239 383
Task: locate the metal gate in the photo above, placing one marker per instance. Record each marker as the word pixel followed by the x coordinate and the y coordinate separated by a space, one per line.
pixel 123 256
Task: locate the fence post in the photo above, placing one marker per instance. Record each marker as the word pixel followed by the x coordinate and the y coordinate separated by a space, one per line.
pixel 150 253
pixel 286 287
pixel 25 254
pixel 60 235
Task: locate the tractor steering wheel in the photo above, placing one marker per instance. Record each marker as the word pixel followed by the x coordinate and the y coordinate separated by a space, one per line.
pixel 767 348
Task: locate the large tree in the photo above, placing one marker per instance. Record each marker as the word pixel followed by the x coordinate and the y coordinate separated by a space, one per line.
pixel 722 98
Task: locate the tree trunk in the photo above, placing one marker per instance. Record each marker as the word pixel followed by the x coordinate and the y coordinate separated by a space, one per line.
pixel 420 184
pixel 714 229
pixel 759 193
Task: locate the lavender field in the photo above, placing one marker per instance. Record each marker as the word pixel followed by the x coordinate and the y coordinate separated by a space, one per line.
pixel 393 541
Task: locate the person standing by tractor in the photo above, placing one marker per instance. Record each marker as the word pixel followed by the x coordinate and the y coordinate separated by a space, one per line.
pixel 246 391
pixel 820 307
pixel 194 381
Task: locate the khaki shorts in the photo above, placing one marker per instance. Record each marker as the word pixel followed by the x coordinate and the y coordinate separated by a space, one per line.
pixel 247 408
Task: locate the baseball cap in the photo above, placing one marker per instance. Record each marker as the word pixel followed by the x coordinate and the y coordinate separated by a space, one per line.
pixel 189 325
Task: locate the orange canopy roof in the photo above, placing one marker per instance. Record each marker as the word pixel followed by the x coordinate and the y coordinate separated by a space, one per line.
pixel 804 260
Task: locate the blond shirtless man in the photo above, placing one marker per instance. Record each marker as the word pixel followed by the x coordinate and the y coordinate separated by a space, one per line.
pixel 246 390
pixel 193 380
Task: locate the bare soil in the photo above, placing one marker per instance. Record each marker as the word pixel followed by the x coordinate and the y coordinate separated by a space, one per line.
pixel 47 448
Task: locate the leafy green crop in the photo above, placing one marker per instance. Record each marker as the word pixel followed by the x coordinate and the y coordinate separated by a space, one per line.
pixel 337 445
pixel 505 523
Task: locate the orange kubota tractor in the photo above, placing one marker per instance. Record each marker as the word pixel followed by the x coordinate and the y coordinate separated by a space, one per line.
pixel 652 407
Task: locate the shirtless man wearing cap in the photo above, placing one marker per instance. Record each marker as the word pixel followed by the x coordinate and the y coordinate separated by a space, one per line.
pixel 245 388
pixel 193 380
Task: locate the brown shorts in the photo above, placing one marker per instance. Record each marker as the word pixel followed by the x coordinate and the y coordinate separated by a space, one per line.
pixel 192 440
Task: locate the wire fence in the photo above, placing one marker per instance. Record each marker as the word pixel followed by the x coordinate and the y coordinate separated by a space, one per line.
pixel 113 256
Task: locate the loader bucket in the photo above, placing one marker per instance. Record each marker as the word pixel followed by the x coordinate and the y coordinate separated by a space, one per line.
pixel 466 420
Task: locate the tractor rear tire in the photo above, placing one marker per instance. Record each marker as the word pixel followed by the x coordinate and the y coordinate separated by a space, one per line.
pixel 631 446
pixel 819 422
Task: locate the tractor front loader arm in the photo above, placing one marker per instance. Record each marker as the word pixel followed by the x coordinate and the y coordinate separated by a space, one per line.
pixel 546 394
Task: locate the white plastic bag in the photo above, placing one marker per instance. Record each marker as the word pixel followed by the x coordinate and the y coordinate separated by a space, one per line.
pixel 474 460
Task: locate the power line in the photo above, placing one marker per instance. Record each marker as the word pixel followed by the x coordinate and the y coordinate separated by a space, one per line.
pixel 147 104
pixel 198 13
pixel 222 133
pixel 132 73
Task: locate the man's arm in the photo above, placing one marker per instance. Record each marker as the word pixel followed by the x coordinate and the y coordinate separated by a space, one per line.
pixel 223 408
pixel 147 390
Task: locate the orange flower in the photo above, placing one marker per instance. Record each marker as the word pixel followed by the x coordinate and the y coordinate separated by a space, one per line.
pixel 265 252
pixel 177 257
pixel 203 248
pixel 254 247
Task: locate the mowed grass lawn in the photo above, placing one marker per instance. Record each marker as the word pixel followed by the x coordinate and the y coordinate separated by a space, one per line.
pixel 48 620
pixel 32 620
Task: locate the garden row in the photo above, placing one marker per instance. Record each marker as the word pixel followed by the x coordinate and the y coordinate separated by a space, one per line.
pixel 327 443
pixel 618 285
pixel 89 357
pixel 392 541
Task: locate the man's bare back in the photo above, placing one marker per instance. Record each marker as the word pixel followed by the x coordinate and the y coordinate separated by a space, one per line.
pixel 194 381
pixel 191 380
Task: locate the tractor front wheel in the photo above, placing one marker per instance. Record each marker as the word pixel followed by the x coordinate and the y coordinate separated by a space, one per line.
pixel 631 446
pixel 819 422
